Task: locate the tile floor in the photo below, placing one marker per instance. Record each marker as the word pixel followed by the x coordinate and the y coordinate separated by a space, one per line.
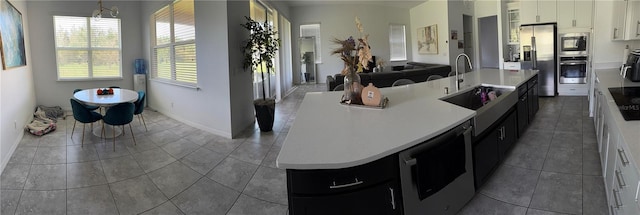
pixel 553 169
pixel 178 169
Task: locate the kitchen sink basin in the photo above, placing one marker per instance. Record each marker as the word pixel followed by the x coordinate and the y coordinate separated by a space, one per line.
pixel 489 102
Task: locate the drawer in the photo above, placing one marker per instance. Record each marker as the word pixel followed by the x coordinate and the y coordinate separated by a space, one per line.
pixel 522 89
pixel 533 81
pixel 626 176
pixel 511 65
pixel 327 181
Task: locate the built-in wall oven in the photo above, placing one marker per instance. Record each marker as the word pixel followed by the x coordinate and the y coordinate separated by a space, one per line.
pixel 573 70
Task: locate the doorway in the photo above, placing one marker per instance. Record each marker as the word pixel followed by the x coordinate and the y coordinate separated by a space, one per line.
pixel 488 38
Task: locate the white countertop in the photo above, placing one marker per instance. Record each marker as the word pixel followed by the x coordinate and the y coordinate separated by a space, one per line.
pixel 328 135
pixel 629 130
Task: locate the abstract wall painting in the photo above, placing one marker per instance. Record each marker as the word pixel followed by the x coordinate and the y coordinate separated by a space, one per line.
pixel 12 46
pixel 428 40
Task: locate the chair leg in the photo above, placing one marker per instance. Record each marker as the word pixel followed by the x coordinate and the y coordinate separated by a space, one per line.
pixel 114 137
pixel 74 128
pixel 82 141
pixel 134 137
pixel 145 124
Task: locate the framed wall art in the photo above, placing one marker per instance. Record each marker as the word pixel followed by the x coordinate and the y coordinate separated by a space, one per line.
pixel 428 40
pixel 12 46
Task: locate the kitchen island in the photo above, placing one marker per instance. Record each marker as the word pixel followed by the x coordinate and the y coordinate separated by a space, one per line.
pixel 619 144
pixel 329 138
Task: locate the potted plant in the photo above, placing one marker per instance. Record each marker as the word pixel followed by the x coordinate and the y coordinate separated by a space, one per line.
pixel 259 51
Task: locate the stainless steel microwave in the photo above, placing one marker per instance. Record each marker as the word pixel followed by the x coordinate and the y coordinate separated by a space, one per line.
pixel 574 44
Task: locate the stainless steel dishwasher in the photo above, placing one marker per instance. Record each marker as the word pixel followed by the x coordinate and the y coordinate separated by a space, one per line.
pixel 427 177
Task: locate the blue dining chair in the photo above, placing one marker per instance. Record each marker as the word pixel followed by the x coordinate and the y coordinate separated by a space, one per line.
pixel 140 107
pixel 90 107
pixel 84 115
pixel 120 114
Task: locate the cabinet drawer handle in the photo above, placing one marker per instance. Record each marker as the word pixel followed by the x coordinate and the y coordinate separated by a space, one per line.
pixel 410 162
pixel 393 199
pixel 621 182
pixel 623 157
pixel 615 33
pixel 637 190
pixel 616 198
pixel 334 186
pixel 637 26
pixel 573 23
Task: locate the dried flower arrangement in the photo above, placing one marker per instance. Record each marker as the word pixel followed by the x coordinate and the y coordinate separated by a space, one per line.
pixel 354 56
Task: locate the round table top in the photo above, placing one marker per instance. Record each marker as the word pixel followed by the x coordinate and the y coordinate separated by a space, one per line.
pixel 91 97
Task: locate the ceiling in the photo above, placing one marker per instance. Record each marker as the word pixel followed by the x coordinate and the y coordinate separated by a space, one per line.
pixel 389 3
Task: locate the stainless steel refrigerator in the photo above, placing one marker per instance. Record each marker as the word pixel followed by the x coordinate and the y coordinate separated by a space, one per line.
pixel 538 51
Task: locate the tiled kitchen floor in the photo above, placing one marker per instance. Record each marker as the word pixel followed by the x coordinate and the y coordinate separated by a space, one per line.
pixel 178 169
pixel 553 169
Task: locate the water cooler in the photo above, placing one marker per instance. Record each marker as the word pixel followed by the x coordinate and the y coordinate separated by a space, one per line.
pixel 140 77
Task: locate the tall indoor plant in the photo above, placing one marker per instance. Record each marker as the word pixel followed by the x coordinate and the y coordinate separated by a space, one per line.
pixel 259 51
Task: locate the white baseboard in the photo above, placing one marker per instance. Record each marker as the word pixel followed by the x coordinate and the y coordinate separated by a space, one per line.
pixel 197 125
pixel 5 160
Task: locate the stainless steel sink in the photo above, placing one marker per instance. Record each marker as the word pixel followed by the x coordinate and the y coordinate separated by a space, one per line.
pixel 488 109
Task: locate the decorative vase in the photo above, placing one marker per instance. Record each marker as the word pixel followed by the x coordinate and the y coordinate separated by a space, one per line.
pixel 352 87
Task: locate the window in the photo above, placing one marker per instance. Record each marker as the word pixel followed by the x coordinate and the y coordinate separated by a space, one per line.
pixel 312 30
pixel 174 46
pixel 397 43
pixel 87 48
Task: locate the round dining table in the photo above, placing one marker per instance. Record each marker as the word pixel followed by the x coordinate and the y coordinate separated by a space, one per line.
pixel 91 97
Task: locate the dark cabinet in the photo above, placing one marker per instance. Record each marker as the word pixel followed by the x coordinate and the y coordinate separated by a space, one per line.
pixel 492 148
pixel 378 199
pixel 527 104
pixel 533 97
pixel 485 157
pixel 522 109
pixel 507 134
pixel 371 188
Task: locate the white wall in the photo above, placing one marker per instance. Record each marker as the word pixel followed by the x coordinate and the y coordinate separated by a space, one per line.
pixel 426 14
pixel 607 53
pixel 222 104
pixel 17 95
pixel 338 21
pixel 49 91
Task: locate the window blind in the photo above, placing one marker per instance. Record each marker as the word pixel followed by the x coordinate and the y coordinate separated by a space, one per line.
pixel 397 43
pixel 87 48
pixel 174 52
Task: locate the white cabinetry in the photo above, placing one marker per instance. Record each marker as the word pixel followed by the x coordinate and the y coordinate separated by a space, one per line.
pixel 574 13
pixel 619 169
pixel 540 11
pixel 513 15
pixel 626 20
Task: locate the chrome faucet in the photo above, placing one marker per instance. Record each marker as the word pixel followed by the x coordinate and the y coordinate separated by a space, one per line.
pixel 458 81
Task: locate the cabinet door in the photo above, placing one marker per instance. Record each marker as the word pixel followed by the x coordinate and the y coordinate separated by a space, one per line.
pixel 508 135
pixel 485 157
pixel 379 199
pixel 523 114
pixel 633 21
pixel 528 12
pixel 533 102
pixel 583 13
pixel 546 11
pixel 619 15
pixel 566 13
